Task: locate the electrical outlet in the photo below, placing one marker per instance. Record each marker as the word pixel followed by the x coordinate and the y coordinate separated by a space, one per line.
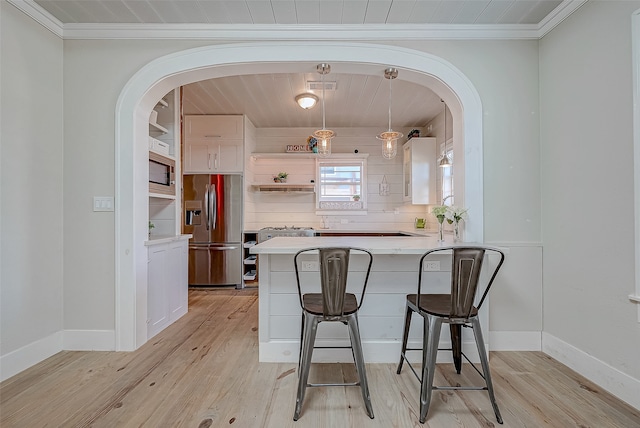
pixel 431 265
pixel 310 266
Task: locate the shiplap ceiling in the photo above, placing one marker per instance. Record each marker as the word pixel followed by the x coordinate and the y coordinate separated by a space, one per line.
pixel 358 101
pixel 268 99
pixel 301 11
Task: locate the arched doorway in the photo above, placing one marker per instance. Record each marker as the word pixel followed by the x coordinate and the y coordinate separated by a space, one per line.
pixel 166 73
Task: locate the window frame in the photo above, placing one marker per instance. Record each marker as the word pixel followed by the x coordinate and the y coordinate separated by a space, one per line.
pixel 325 206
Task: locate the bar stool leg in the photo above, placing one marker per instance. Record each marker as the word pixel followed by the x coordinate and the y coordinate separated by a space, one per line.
pixel 432 329
pixel 309 338
pixel 484 360
pixel 356 346
pixel 301 341
pixel 456 345
pixel 405 337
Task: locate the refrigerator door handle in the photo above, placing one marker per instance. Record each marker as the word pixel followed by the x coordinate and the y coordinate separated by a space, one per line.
pixel 214 207
pixel 206 205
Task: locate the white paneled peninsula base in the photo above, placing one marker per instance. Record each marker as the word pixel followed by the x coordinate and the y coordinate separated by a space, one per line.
pixel 394 274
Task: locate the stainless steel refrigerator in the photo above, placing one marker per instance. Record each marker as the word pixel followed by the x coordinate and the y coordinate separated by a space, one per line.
pixel 213 215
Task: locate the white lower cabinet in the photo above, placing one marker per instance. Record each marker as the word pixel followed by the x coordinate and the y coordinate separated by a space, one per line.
pixel 167 285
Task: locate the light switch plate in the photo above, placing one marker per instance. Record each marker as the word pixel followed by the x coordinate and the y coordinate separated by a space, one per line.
pixel 431 265
pixel 310 266
pixel 102 203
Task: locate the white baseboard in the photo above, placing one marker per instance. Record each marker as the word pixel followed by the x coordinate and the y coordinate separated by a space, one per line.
pixel 89 340
pixel 515 340
pixel 29 355
pixel 68 340
pixel 613 380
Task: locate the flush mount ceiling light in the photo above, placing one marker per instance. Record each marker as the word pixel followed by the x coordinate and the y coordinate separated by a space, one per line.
pixel 444 160
pixel 306 101
pixel 324 135
pixel 390 137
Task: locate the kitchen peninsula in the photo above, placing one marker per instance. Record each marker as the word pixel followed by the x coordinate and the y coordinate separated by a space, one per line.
pixel 394 274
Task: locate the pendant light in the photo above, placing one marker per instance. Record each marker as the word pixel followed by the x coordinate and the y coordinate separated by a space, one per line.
pixel 390 137
pixel 324 135
pixel 444 161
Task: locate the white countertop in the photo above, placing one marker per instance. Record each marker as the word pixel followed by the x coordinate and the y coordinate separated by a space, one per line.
pixel 375 244
pixel 164 239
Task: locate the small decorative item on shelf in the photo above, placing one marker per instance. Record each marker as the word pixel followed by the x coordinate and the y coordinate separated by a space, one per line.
pixel 440 211
pixel 313 144
pixel 280 178
pixel 356 197
pixel 414 133
pixel 455 215
pixel 151 226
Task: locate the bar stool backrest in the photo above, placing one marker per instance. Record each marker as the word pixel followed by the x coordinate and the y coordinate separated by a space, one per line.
pixel 334 269
pixel 334 266
pixel 466 267
pixel 465 274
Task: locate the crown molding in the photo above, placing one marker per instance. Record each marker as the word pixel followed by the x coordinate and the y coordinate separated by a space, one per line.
pixel 40 15
pixel 299 32
pixel 362 32
pixel 559 14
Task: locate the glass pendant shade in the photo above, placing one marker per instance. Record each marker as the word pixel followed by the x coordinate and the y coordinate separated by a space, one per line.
pixel 389 143
pixel 444 161
pixel 390 137
pixel 323 135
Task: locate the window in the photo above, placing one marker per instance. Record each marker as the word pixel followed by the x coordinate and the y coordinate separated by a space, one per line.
pixel 341 185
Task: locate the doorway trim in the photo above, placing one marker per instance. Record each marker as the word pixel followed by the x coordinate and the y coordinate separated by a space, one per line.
pixel 160 76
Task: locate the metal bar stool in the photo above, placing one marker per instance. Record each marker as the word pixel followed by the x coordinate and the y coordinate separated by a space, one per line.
pixel 333 304
pixel 458 310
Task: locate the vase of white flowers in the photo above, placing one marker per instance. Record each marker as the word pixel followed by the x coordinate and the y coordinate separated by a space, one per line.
pixel 440 212
pixel 454 216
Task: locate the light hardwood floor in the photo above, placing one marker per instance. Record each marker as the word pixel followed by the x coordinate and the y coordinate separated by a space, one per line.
pixel 203 371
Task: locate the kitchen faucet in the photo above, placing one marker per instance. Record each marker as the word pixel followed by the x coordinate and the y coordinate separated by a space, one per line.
pixel 444 199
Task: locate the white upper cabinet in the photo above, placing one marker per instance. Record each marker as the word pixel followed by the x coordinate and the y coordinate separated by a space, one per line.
pixel 213 144
pixel 228 127
pixel 213 156
pixel 419 171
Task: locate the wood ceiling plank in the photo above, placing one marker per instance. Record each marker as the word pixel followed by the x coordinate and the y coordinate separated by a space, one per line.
pixel 308 12
pixel 493 12
pixel 261 12
pixel 400 12
pixel 284 11
pixel 331 11
pixel 143 11
pixel 353 12
pixel 469 13
pixel 377 12
pixel 238 12
pixel 447 11
pixel 423 11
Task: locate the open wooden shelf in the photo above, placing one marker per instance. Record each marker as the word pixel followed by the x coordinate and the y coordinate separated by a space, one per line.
pixel 285 187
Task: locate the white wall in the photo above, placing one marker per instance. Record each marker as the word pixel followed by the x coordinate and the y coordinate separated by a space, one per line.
pixel 31 224
pixel 586 93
